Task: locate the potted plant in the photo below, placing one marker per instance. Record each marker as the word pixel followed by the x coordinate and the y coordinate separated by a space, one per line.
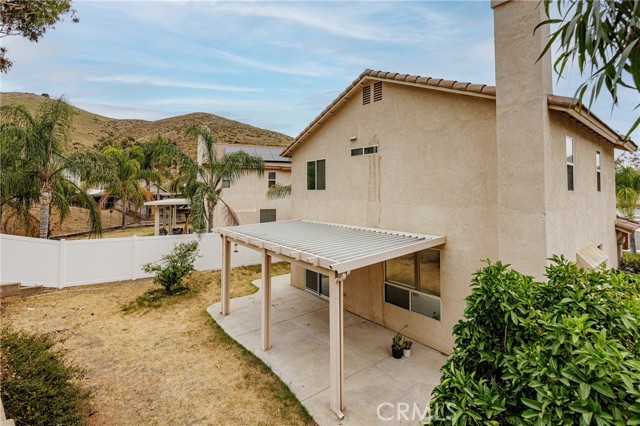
pixel 406 347
pixel 397 344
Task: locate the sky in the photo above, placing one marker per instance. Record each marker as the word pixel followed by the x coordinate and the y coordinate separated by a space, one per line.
pixel 274 65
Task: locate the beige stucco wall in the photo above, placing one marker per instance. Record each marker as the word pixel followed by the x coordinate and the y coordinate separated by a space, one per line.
pixel 435 173
pixel 583 216
pixel 523 133
pixel 247 195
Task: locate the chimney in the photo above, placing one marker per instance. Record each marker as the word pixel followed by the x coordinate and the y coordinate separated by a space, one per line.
pixel 523 136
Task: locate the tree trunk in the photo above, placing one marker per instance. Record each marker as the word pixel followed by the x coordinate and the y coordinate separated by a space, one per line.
pixel 632 243
pixel 210 224
pixel 124 212
pixel 45 210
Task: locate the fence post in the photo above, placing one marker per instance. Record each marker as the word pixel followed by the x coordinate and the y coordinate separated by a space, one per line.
pixel 62 268
pixel 134 256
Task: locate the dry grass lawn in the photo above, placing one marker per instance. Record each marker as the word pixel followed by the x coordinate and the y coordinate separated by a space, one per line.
pixel 170 364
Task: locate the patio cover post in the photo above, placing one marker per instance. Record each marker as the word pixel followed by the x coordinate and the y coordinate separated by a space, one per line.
pixel 266 300
pixel 226 274
pixel 156 216
pixel 336 343
pixel 174 218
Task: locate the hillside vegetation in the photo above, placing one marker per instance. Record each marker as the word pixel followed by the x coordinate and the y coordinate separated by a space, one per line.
pixel 91 129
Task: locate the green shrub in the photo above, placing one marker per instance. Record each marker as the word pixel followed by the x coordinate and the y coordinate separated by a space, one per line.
pixel 561 352
pixel 174 267
pixel 630 263
pixel 38 386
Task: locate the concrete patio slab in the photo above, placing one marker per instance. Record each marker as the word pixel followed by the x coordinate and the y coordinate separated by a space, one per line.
pixel 379 390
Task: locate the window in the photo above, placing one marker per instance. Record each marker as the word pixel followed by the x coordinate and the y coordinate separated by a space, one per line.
pixel 412 282
pixel 366 95
pixel 364 151
pixel 272 179
pixel 316 175
pixel 226 183
pixel 267 215
pixel 570 160
pixel 377 91
pixel 598 184
pixel 316 283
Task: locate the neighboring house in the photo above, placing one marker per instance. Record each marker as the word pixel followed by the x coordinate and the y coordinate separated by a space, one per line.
pixel 510 173
pixel 247 195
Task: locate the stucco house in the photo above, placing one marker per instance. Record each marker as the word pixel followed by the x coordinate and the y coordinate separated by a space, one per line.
pixel 426 177
pixel 247 194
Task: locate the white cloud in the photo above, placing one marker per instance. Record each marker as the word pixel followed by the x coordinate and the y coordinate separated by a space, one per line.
pixel 160 82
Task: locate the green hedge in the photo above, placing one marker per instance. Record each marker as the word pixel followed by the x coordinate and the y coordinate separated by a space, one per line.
pixel 561 352
pixel 38 386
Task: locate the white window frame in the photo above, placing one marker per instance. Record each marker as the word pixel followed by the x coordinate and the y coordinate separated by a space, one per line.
pixel 571 160
pixel 315 188
pixel 412 289
pixel 360 151
pixel 598 171
pixel 271 181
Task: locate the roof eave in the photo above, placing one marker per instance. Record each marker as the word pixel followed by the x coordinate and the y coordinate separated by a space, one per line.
pixel 591 121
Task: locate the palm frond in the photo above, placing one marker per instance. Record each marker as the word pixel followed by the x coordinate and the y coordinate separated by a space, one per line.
pixel 230 216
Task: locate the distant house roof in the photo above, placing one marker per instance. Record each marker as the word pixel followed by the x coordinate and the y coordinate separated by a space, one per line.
pixel 168 202
pixel 270 154
pixel 563 104
pixel 626 225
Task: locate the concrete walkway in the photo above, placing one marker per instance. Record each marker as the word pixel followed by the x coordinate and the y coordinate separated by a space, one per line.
pixel 379 390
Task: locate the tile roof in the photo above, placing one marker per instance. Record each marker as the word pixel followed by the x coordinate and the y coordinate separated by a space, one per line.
pixel 270 154
pixel 584 116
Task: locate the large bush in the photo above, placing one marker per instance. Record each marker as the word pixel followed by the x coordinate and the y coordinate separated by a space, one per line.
pixel 561 352
pixel 38 386
pixel 174 267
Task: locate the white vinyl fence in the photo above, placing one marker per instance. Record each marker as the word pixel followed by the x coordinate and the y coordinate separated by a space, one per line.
pixel 50 263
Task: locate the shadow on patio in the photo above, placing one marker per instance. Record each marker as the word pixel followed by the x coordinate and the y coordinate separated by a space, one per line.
pixel 379 390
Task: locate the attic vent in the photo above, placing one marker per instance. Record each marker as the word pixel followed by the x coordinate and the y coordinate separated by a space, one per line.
pixel 366 95
pixel 377 91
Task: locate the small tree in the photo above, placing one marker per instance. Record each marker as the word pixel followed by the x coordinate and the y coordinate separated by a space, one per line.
pixel 174 267
pixel 561 352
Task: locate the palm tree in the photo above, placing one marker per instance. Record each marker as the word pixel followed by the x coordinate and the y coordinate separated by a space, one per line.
pixel 627 194
pixel 202 183
pixel 160 159
pixel 123 182
pixel 41 173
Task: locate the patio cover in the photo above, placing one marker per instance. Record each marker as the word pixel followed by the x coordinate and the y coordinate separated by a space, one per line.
pixel 328 248
pixel 340 248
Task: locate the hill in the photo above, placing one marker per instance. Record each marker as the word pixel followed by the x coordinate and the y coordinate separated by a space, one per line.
pixel 90 130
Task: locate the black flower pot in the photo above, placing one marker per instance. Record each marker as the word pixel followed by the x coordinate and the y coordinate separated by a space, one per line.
pixel 396 353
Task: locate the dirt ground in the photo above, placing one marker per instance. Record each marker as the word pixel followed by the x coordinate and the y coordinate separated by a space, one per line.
pixel 159 366
pixel 77 221
pixel 142 231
